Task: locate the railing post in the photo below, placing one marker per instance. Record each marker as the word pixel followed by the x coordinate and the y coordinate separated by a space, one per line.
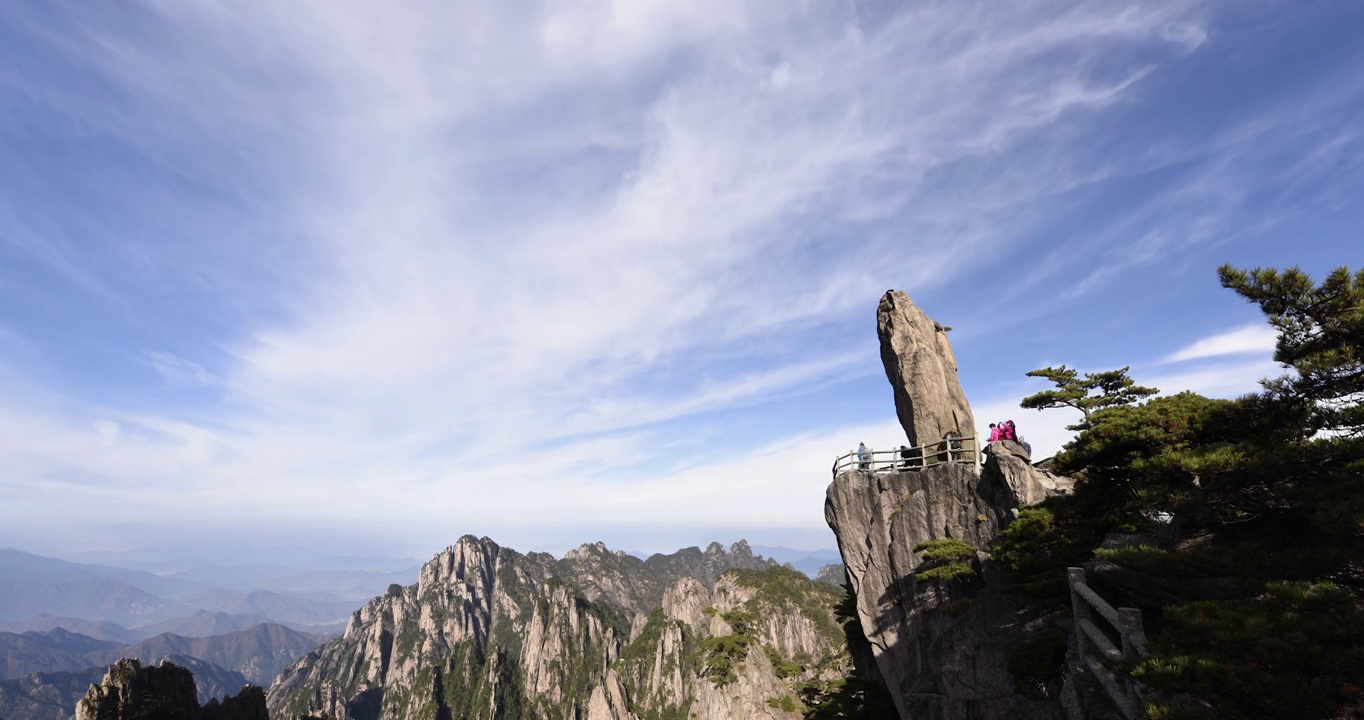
pixel 1133 635
pixel 1079 609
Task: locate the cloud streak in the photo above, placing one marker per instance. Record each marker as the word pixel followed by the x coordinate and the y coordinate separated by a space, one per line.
pixel 1252 339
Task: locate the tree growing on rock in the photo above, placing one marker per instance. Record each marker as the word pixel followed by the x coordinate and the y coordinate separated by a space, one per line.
pixel 1088 394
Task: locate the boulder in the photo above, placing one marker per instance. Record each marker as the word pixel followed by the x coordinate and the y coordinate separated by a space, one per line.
pixel 1014 481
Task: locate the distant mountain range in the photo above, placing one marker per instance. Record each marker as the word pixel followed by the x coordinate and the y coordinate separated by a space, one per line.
pixel 807 561
pixel 111 603
pixel 47 672
pixel 258 652
pixel 97 629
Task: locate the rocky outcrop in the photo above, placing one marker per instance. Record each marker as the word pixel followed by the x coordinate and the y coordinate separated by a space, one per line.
pixel 922 370
pixel 941 641
pixel 942 646
pixel 609 700
pixel 249 704
pixel 130 691
pixel 489 632
pixel 1012 480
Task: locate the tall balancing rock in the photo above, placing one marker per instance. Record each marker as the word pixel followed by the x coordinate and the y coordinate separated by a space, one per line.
pixel 922 370
pixel 942 644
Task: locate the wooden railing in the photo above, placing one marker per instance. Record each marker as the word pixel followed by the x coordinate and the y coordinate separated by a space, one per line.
pixel 960 450
pixel 1095 648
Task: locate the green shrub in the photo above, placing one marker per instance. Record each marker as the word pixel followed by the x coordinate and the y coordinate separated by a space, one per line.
pixel 722 656
pixel 947 558
pixel 1295 651
pixel 744 622
pixel 784 668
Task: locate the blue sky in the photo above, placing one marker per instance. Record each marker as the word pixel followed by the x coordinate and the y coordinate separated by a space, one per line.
pixel 317 275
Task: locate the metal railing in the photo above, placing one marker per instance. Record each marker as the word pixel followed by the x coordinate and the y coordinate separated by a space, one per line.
pixel 960 450
pixel 1094 647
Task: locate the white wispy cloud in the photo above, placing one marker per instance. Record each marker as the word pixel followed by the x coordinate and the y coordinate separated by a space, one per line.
pixel 178 371
pixel 1251 339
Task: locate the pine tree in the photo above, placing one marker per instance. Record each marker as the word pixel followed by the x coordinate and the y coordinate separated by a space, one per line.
pixel 1093 392
pixel 1321 337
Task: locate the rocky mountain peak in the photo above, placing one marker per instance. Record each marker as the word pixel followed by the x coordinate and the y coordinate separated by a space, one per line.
pixel 922 370
pixel 587 551
pixel 130 691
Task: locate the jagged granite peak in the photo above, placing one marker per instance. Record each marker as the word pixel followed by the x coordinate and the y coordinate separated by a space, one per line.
pixel 610 700
pixel 130 691
pixel 638 585
pixel 922 370
pixel 489 632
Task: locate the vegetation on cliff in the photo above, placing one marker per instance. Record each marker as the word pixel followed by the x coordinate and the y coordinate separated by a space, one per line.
pixel 1244 520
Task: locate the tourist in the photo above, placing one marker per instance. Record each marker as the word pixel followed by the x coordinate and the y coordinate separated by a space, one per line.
pixel 863 456
pixel 952 445
pixel 994 432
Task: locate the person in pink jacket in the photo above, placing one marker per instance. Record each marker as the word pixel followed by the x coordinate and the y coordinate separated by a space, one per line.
pixel 994 432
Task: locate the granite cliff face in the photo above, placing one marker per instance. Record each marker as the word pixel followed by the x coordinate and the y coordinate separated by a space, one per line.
pixel 491 633
pixel 941 644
